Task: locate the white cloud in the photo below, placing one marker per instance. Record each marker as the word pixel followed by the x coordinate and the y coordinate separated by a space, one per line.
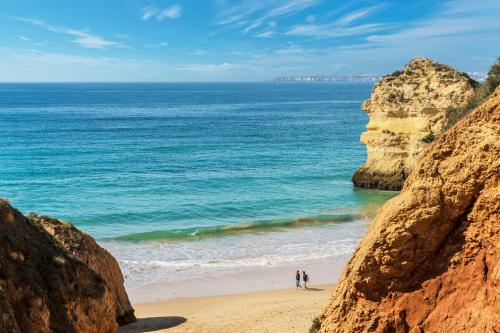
pixel 254 25
pixel 37 56
pixel 356 15
pixel 82 37
pixel 482 17
pixel 148 12
pixel 333 30
pixel 339 28
pixel 291 7
pixel 265 34
pixel 26 39
pixel 87 40
pixel 172 12
pixel 241 14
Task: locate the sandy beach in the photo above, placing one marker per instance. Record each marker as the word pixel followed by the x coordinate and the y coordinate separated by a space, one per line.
pixel 253 301
pixel 286 310
pixel 259 279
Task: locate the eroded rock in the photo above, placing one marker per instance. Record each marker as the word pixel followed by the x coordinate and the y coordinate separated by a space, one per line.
pixel 430 259
pixel 407 110
pixel 55 278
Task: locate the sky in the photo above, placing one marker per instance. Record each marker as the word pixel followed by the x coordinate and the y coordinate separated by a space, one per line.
pixel 238 40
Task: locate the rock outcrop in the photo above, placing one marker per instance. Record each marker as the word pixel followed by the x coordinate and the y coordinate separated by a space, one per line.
pixel 407 110
pixel 55 278
pixel 430 261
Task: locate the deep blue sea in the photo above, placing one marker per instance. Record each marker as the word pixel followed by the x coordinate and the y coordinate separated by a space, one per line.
pixel 190 177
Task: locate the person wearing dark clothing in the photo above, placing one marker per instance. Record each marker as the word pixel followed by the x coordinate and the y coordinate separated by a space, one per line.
pixel 305 278
pixel 297 280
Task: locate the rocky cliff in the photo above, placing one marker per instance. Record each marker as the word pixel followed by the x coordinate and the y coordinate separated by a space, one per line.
pixel 55 278
pixel 430 260
pixel 407 110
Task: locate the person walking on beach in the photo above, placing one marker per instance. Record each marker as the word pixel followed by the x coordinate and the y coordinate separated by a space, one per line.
pixel 305 277
pixel 297 280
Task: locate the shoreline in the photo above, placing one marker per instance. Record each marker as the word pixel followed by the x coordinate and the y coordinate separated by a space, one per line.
pixel 281 310
pixel 324 272
pixel 262 300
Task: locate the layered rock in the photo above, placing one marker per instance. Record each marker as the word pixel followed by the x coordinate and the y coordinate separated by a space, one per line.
pixel 55 278
pixel 407 110
pixel 430 260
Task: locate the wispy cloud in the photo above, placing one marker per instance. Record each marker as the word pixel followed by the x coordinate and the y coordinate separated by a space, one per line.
pixel 333 30
pixel 482 17
pixel 265 34
pixel 37 56
pixel 237 13
pixel 254 14
pixel 82 37
pixel 26 39
pixel 172 12
pixel 149 11
pixel 356 15
pixel 292 7
pixel 341 27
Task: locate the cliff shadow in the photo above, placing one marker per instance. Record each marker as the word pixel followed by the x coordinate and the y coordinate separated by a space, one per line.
pixel 152 324
pixel 49 282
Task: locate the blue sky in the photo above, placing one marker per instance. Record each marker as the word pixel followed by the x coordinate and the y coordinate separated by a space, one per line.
pixel 238 40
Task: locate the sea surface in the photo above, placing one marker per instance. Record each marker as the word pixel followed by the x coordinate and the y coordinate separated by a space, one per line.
pixel 183 180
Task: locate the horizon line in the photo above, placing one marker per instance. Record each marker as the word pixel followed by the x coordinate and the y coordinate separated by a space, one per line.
pixel 126 82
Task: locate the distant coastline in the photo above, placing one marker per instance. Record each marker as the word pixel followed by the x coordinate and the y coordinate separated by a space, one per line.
pixel 478 76
pixel 327 78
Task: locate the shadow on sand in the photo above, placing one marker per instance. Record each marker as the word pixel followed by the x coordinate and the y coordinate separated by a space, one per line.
pixel 152 324
pixel 313 289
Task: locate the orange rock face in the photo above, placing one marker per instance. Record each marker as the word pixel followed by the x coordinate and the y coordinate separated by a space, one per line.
pixel 55 278
pixel 430 259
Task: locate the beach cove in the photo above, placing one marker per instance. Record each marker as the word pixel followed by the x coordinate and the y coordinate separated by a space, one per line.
pixel 189 182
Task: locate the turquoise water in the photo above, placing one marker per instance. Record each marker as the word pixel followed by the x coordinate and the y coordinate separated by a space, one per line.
pixel 138 165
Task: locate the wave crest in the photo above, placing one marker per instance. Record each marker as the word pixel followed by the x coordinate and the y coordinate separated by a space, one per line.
pixel 229 229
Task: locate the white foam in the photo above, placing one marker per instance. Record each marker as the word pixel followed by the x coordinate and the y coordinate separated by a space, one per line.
pixel 145 263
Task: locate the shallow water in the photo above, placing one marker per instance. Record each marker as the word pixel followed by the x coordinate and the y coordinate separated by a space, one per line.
pixel 190 179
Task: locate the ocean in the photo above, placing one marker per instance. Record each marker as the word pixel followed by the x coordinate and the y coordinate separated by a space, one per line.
pixel 185 180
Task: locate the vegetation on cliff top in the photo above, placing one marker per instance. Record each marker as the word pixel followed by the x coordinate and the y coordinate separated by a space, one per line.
pixel 482 93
